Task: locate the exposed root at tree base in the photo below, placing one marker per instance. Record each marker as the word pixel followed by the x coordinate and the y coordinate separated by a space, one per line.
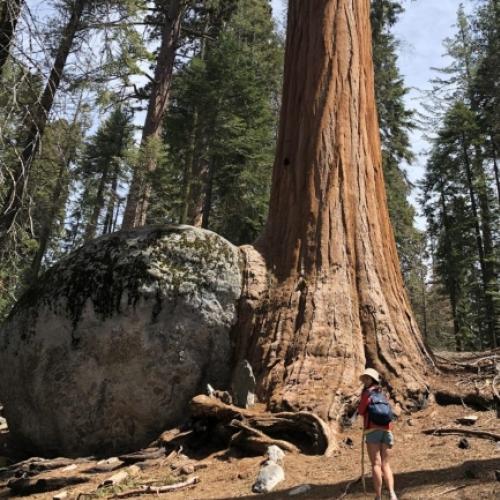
pixel 255 430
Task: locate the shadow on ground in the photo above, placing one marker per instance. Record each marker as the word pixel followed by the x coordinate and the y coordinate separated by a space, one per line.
pixel 471 472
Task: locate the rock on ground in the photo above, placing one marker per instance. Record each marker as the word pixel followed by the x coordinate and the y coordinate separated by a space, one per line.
pixel 270 474
pixel 106 351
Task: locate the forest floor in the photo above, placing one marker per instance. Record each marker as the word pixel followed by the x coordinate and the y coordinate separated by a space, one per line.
pixel 425 466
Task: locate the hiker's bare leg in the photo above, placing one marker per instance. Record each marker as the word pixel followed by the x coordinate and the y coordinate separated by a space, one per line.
pixel 385 454
pixel 374 452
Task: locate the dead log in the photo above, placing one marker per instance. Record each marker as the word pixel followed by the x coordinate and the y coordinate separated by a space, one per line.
pixel 29 486
pixel 467 432
pixel 121 476
pixel 156 490
pixel 307 430
pixel 35 465
pixel 475 398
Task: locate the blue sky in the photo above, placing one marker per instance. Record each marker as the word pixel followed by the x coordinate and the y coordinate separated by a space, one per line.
pixel 420 30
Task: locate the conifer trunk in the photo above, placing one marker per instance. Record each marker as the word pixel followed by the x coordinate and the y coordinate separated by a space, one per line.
pixel 333 294
pixel 40 113
pixel 495 169
pixel 140 188
pixel 9 15
pixel 46 230
pixel 91 228
pixel 110 209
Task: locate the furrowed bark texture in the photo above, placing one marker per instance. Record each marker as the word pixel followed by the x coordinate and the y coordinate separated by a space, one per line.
pixel 335 298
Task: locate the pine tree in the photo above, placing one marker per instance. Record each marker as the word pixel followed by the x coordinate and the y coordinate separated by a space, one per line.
pixel 221 126
pixel 9 15
pixel 49 189
pixel 101 169
pixel 39 115
pixel 463 144
pixel 140 188
pixel 396 121
pixel 485 88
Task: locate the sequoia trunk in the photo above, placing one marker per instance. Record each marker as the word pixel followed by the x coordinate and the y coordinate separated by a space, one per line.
pixel 333 298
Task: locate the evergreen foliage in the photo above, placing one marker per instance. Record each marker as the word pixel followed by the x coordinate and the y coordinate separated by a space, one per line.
pixel 221 129
pixel 101 172
pixel 396 121
pixel 459 186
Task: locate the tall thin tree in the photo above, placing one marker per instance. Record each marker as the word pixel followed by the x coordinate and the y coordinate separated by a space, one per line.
pixel 140 188
pixel 9 15
pixel 40 113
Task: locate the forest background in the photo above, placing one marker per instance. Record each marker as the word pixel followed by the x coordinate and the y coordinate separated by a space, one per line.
pixel 79 76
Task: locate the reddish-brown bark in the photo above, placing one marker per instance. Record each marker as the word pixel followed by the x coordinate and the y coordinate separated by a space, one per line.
pixel 333 297
pixel 140 187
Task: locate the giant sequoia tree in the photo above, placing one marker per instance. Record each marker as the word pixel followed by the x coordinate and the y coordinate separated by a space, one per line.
pixel 331 293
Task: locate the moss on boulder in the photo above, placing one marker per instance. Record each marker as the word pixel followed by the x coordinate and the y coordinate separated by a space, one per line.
pixel 106 351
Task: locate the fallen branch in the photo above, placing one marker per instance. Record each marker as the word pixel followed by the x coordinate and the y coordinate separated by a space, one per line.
pixel 28 486
pixel 479 434
pixel 141 456
pixel 156 490
pixel 35 465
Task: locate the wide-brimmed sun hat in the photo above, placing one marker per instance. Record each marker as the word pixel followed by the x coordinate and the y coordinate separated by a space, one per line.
pixel 374 374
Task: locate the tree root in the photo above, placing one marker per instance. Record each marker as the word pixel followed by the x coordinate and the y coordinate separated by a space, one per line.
pixel 304 431
pixel 479 434
pixel 256 440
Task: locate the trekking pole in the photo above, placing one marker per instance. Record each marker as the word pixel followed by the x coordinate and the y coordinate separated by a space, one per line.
pixel 363 461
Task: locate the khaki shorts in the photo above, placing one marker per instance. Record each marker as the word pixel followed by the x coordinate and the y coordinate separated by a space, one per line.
pixel 381 437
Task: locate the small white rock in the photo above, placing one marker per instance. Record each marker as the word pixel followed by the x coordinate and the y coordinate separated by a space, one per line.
pixel 275 454
pixel 269 476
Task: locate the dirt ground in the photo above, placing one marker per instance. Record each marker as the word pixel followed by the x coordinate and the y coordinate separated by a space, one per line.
pixel 425 467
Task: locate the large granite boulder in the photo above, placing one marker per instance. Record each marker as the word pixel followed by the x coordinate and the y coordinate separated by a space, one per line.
pixel 106 351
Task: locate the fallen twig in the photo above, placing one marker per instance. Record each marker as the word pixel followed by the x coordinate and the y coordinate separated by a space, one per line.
pixel 449 490
pixel 453 430
pixel 156 490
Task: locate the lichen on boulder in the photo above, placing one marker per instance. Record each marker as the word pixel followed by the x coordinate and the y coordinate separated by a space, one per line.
pixel 108 348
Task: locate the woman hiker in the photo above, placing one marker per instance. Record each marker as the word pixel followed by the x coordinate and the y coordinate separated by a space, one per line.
pixel 378 436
